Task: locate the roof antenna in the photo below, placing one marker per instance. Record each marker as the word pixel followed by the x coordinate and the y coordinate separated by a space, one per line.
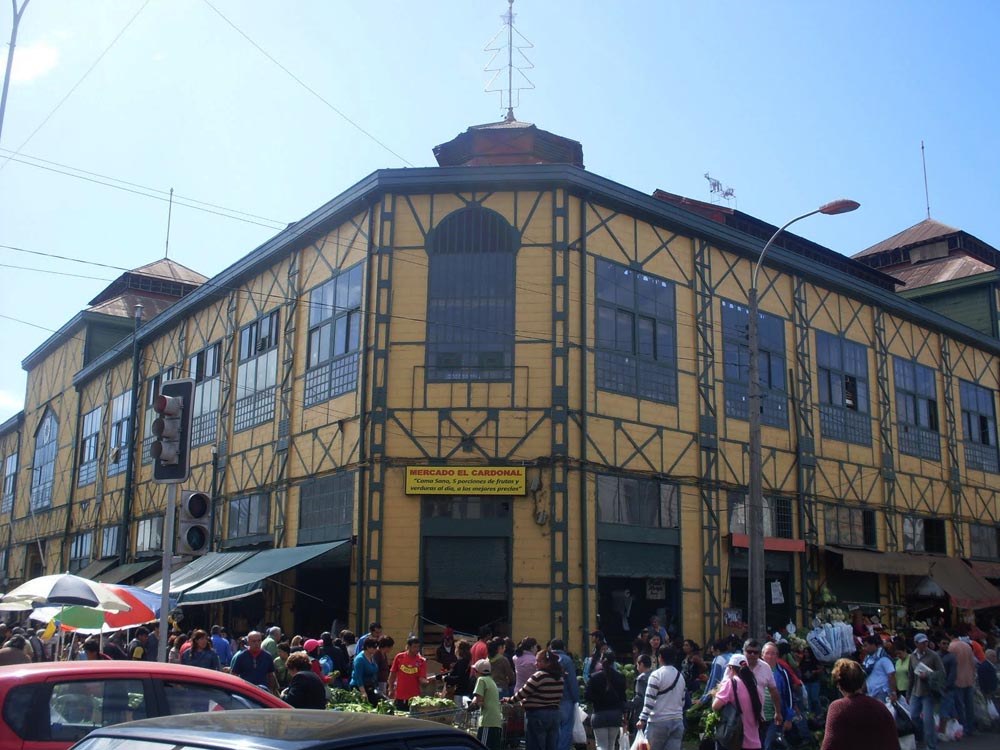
pixel 170 211
pixel 512 92
pixel 927 195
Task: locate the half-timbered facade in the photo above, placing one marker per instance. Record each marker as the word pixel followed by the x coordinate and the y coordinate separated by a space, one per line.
pixel 508 391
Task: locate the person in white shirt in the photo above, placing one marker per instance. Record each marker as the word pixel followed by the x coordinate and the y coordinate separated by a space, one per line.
pixel 662 717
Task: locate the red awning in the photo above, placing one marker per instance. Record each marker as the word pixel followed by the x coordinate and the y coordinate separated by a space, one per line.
pixel 966 588
pixel 985 569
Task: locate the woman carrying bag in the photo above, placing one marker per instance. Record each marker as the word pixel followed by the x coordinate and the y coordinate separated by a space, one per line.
pixel 606 694
pixel 738 689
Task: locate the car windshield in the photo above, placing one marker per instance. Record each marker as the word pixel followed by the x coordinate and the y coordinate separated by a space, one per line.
pixel 120 743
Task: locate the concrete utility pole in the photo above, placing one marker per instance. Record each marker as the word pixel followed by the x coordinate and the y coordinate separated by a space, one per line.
pixel 10 58
pixel 755 501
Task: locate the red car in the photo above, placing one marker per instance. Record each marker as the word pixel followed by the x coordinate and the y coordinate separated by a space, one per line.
pixel 49 706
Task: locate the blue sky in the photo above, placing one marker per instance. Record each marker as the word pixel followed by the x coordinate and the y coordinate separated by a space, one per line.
pixel 789 103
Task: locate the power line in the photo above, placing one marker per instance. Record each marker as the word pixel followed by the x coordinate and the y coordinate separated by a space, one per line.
pixel 77 84
pixel 304 85
pixel 280 224
pixel 56 273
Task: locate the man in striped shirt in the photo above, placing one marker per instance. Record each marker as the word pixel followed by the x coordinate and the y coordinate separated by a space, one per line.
pixel 540 696
pixel 662 717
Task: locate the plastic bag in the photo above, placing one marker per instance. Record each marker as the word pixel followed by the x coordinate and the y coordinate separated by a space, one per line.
pixel 909 742
pixel 953 730
pixel 579 731
pixel 904 722
pixel 980 709
pixel 640 742
pixel 821 647
pixel 992 708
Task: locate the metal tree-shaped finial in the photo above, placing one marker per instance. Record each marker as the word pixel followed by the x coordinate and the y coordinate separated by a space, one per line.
pixel 504 42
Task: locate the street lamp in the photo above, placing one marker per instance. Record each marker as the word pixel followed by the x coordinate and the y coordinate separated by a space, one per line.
pixel 755 502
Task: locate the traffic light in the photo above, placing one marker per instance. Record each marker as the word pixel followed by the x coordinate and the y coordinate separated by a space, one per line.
pixel 171 448
pixel 193 527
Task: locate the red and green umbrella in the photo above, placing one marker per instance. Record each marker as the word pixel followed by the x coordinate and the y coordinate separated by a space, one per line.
pixel 145 607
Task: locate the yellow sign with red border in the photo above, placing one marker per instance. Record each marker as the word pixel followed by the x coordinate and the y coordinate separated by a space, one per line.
pixel 465 480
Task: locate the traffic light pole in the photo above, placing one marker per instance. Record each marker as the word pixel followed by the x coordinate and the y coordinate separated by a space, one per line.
pixel 168 559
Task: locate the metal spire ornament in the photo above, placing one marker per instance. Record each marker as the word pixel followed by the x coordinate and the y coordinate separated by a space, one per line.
pixel 504 44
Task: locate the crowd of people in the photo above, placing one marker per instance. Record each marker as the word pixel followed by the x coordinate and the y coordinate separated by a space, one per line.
pixel 779 688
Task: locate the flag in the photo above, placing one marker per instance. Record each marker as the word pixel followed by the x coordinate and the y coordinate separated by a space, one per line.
pixel 50 630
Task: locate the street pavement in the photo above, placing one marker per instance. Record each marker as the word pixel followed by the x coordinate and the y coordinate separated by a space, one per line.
pixel 981 741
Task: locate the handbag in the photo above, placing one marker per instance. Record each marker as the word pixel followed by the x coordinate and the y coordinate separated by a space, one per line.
pixel 729 730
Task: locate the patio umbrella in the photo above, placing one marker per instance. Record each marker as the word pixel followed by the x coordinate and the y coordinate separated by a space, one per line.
pixel 145 607
pixel 63 590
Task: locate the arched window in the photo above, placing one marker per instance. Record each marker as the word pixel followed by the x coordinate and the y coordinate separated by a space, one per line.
pixel 43 468
pixel 470 296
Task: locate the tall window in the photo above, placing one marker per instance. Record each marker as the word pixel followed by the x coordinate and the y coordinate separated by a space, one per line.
pixel 109 541
pixel 843 389
pixel 979 425
pixel 984 540
pixel 80 549
pixel 9 483
pixel 850 527
pixel 326 508
pixel 472 255
pixel 43 468
pixel 249 516
pixel 334 336
pixel 635 337
pixel 257 374
pixel 778 517
pixel 916 409
pixel 203 368
pixel 121 413
pixel 149 534
pixel 736 358
pixel 637 502
pixel 89 437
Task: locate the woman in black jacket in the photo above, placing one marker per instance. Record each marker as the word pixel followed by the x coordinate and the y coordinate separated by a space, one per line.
pixel 458 682
pixel 606 693
pixel 305 689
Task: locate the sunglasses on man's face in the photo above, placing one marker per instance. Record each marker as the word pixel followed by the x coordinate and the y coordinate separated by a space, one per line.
pixel 751 652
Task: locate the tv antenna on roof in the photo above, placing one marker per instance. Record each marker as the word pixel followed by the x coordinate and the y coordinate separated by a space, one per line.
pixel 504 41
pixel 719 191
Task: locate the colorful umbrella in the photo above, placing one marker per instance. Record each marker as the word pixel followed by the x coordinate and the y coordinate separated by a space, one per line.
pixel 63 590
pixel 145 607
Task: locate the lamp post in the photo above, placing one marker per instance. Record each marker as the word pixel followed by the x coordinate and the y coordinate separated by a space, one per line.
pixel 755 501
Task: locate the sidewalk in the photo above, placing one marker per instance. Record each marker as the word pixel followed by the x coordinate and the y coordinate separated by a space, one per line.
pixel 981 741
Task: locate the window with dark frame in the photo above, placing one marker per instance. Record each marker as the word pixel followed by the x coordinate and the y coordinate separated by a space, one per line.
pixel 80 549
pixel 204 368
pixel 149 534
pixel 631 501
pixel 847 526
pixel 121 413
pixel 472 257
pixel 90 432
pixel 249 516
pixel 983 541
pixel 843 389
pixel 779 519
pixel 257 372
pixel 9 483
pixel 43 468
pixel 736 364
pixel 109 541
pixel 334 336
pixel 925 535
pixel 979 427
pixel 635 339
pixel 916 409
pixel 326 508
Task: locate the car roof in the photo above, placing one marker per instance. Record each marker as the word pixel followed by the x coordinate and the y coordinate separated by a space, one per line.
pixel 47 671
pixel 297 729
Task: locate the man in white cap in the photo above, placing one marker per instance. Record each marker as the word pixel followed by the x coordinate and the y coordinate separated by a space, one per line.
pixel 924 665
pixel 487 699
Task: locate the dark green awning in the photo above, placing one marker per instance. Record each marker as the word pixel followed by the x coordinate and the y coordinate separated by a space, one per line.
pixel 96 568
pixel 123 573
pixel 248 577
pixel 200 570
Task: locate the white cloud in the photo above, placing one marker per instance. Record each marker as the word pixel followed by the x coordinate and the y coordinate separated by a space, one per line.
pixel 33 61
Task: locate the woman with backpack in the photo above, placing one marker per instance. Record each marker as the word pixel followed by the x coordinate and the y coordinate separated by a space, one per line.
pixel 740 689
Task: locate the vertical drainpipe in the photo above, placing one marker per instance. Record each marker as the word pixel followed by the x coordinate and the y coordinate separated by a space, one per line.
pixel 214 496
pixel 130 444
pixel 359 547
pixel 584 546
pixel 63 558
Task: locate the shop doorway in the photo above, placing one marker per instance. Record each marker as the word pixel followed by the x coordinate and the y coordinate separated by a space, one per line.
pixel 625 606
pixel 466 583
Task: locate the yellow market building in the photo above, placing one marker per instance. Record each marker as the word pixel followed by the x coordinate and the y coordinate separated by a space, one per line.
pixel 507 391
